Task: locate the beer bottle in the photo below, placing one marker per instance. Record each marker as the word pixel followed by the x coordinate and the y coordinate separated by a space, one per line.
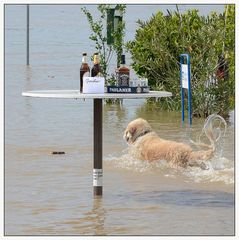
pixel 123 73
pixel 96 70
pixel 84 70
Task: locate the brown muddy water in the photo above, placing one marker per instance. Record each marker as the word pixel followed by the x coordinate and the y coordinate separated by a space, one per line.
pixel 49 194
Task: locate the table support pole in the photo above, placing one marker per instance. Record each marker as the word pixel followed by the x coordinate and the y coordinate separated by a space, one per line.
pixel 98 171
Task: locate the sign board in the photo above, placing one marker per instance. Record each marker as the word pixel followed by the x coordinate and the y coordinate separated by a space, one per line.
pixel 93 84
pixel 97 177
pixel 115 89
pixel 184 72
pixel 185 79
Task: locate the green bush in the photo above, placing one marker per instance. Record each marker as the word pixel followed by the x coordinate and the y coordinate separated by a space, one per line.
pixel 160 41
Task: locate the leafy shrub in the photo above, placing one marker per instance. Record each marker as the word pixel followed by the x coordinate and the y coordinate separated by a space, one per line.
pixel 160 41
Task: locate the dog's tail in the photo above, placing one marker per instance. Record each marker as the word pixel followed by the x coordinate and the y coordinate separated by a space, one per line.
pixel 202 155
pixel 214 129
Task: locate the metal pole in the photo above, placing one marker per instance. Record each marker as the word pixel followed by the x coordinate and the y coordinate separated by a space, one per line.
pixel 110 25
pixel 186 75
pixel 182 104
pixel 189 92
pixel 118 18
pixel 27 34
pixel 97 170
pixel 182 90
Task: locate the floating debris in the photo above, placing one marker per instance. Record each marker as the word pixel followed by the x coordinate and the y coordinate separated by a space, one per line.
pixel 57 152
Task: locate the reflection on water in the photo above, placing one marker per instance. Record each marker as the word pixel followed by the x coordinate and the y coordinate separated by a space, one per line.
pixel 49 194
pixel 91 223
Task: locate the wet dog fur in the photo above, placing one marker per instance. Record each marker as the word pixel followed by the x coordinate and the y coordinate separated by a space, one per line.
pixel 149 146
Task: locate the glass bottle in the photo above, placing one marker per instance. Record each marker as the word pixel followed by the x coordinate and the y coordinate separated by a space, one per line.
pixel 123 73
pixel 84 70
pixel 96 70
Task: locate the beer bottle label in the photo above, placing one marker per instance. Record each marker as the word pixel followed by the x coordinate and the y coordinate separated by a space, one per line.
pixel 123 79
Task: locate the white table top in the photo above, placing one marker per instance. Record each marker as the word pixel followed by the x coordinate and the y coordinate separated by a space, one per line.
pixel 75 94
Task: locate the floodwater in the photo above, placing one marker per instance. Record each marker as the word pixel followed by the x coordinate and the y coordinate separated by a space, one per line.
pixel 49 194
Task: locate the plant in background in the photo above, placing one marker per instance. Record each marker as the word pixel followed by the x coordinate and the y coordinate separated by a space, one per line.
pixel 160 41
pixel 99 36
pixel 229 49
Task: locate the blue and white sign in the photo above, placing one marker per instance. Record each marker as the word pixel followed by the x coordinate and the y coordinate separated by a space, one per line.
pixel 185 82
pixel 184 72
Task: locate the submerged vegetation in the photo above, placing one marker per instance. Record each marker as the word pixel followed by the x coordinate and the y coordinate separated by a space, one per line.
pixel 155 51
pixel 210 42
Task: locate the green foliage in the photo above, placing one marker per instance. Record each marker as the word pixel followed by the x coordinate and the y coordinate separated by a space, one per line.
pixel 229 48
pixel 99 36
pixel 160 41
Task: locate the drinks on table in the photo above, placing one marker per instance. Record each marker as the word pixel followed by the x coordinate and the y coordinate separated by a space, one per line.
pixel 84 70
pixel 123 73
pixel 96 70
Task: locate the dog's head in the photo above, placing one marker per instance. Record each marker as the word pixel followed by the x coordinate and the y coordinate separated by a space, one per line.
pixel 136 129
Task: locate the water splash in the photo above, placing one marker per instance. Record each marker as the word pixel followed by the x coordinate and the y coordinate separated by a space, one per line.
pixel 214 130
pixel 128 160
pixel 219 169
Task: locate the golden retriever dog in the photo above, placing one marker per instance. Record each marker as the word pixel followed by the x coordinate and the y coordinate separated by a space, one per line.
pixel 149 146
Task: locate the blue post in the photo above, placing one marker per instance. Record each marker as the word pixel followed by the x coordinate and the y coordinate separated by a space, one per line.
pixel 185 82
pixel 182 95
pixel 189 93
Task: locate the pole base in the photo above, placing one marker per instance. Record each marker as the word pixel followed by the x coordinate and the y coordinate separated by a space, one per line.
pixel 98 190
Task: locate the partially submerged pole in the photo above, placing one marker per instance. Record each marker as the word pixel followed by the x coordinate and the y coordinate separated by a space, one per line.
pixel 185 80
pixel 97 165
pixel 27 30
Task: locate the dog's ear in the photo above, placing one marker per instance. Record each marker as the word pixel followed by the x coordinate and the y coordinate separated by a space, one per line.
pixel 133 130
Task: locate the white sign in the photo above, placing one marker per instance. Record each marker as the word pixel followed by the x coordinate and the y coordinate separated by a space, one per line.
pixel 184 71
pixel 93 84
pixel 97 177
